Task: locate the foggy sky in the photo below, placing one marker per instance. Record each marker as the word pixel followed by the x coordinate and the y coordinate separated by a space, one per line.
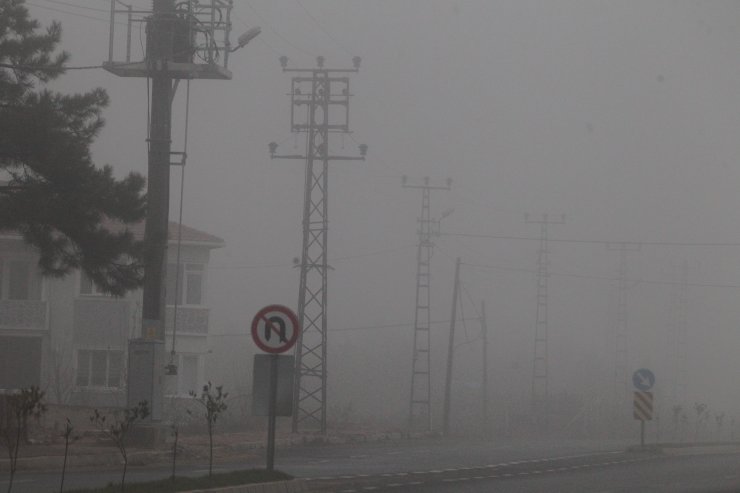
pixel 623 116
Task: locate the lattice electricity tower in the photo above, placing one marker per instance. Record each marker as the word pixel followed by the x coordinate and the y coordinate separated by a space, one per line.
pixel 678 338
pixel 420 414
pixel 540 375
pixel 319 107
pixel 621 327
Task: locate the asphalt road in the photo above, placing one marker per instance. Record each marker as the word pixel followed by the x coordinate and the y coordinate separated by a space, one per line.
pixel 444 466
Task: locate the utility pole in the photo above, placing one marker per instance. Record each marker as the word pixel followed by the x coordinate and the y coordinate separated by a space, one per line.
pixel 320 100
pixel 540 374
pixel 451 350
pixel 420 412
pixel 484 376
pixel 679 339
pixel 621 361
pixel 175 37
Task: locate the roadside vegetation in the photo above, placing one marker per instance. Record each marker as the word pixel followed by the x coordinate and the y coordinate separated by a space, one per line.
pixel 218 480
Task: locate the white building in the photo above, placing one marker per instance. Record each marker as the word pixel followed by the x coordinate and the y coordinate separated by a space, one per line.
pixel 71 340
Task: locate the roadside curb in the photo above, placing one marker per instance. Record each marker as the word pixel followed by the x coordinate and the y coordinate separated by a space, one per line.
pixel 293 486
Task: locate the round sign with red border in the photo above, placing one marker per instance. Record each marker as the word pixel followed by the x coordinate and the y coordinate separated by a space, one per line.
pixel 275 329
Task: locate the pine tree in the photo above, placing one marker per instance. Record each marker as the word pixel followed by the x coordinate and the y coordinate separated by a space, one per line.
pixel 55 196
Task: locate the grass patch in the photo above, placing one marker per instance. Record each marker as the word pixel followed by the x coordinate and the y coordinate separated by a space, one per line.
pixel 233 478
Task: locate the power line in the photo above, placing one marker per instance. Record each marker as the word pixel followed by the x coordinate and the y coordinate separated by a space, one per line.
pixel 62 11
pixel 83 7
pixel 318 24
pixel 353 329
pixel 597 242
pixel 606 278
pixel 334 259
pixel 276 32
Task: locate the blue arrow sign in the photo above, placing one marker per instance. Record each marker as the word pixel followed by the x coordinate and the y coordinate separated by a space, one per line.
pixel 643 379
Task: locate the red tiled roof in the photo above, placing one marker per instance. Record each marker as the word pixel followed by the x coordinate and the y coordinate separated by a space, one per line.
pixel 189 235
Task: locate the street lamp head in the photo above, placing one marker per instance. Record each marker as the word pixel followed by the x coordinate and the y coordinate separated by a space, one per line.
pixel 273 147
pixel 320 61
pixel 248 36
pixel 363 149
pixel 356 62
pixel 283 61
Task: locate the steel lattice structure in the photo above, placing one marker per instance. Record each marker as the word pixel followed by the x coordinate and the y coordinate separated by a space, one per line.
pixel 540 375
pixel 621 328
pixel 420 415
pixel 314 94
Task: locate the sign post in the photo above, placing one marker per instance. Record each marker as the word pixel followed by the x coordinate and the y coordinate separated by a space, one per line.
pixel 275 330
pixel 643 380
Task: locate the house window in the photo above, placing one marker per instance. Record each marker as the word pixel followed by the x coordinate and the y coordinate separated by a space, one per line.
pixel 189 284
pixel 99 368
pixel 19 280
pixel 88 287
pixel 188 375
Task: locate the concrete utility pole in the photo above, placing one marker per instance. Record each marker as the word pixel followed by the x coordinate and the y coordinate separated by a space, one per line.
pixel 315 93
pixel 540 374
pixel 451 350
pixel 621 371
pixel 420 413
pixel 172 34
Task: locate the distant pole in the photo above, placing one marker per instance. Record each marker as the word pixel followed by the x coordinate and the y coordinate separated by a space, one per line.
pixel 420 412
pixel 540 364
pixel 484 379
pixel 451 351
pixel 621 360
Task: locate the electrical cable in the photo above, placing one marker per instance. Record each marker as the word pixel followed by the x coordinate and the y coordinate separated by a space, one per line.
pixel 318 24
pixel 179 222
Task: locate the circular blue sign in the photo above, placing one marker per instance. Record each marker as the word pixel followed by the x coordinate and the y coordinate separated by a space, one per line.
pixel 643 379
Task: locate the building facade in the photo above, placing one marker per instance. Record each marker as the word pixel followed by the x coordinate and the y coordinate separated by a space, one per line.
pixel 70 339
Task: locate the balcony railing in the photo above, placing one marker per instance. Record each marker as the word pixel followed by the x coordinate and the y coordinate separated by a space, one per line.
pixel 190 320
pixel 23 314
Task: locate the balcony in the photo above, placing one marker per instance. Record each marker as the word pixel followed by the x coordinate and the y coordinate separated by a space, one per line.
pixel 190 320
pixel 23 314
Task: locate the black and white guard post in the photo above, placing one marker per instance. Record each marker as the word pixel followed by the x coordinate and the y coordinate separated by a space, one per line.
pixel 643 380
pixel 275 329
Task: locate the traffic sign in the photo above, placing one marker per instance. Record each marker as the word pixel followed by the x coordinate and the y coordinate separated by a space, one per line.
pixel 643 406
pixel 275 329
pixel 643 379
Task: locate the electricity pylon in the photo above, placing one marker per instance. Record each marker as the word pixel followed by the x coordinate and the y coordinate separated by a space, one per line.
pixel 319 107
pixel 621 326
pixel 420 413
pixel 540 370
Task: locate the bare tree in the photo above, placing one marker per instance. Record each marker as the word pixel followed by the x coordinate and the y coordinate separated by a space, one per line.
pixel 118 427
pixel 213 401
pixel 19 407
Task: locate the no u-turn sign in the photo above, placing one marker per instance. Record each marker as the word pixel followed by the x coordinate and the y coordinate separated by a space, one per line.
pixel 275 329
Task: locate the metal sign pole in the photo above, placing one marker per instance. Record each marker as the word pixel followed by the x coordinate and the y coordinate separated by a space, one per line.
pixel 272 412
pixel 642 434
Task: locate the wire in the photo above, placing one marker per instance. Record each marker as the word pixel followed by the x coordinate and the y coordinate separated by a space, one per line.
pixel 350 329
pixel 608 278
pixel 275 32
pixel 70 4
pixel 333 259
pixel 598 242
pixel 318 24
pixel 179 223
pixel 62 11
